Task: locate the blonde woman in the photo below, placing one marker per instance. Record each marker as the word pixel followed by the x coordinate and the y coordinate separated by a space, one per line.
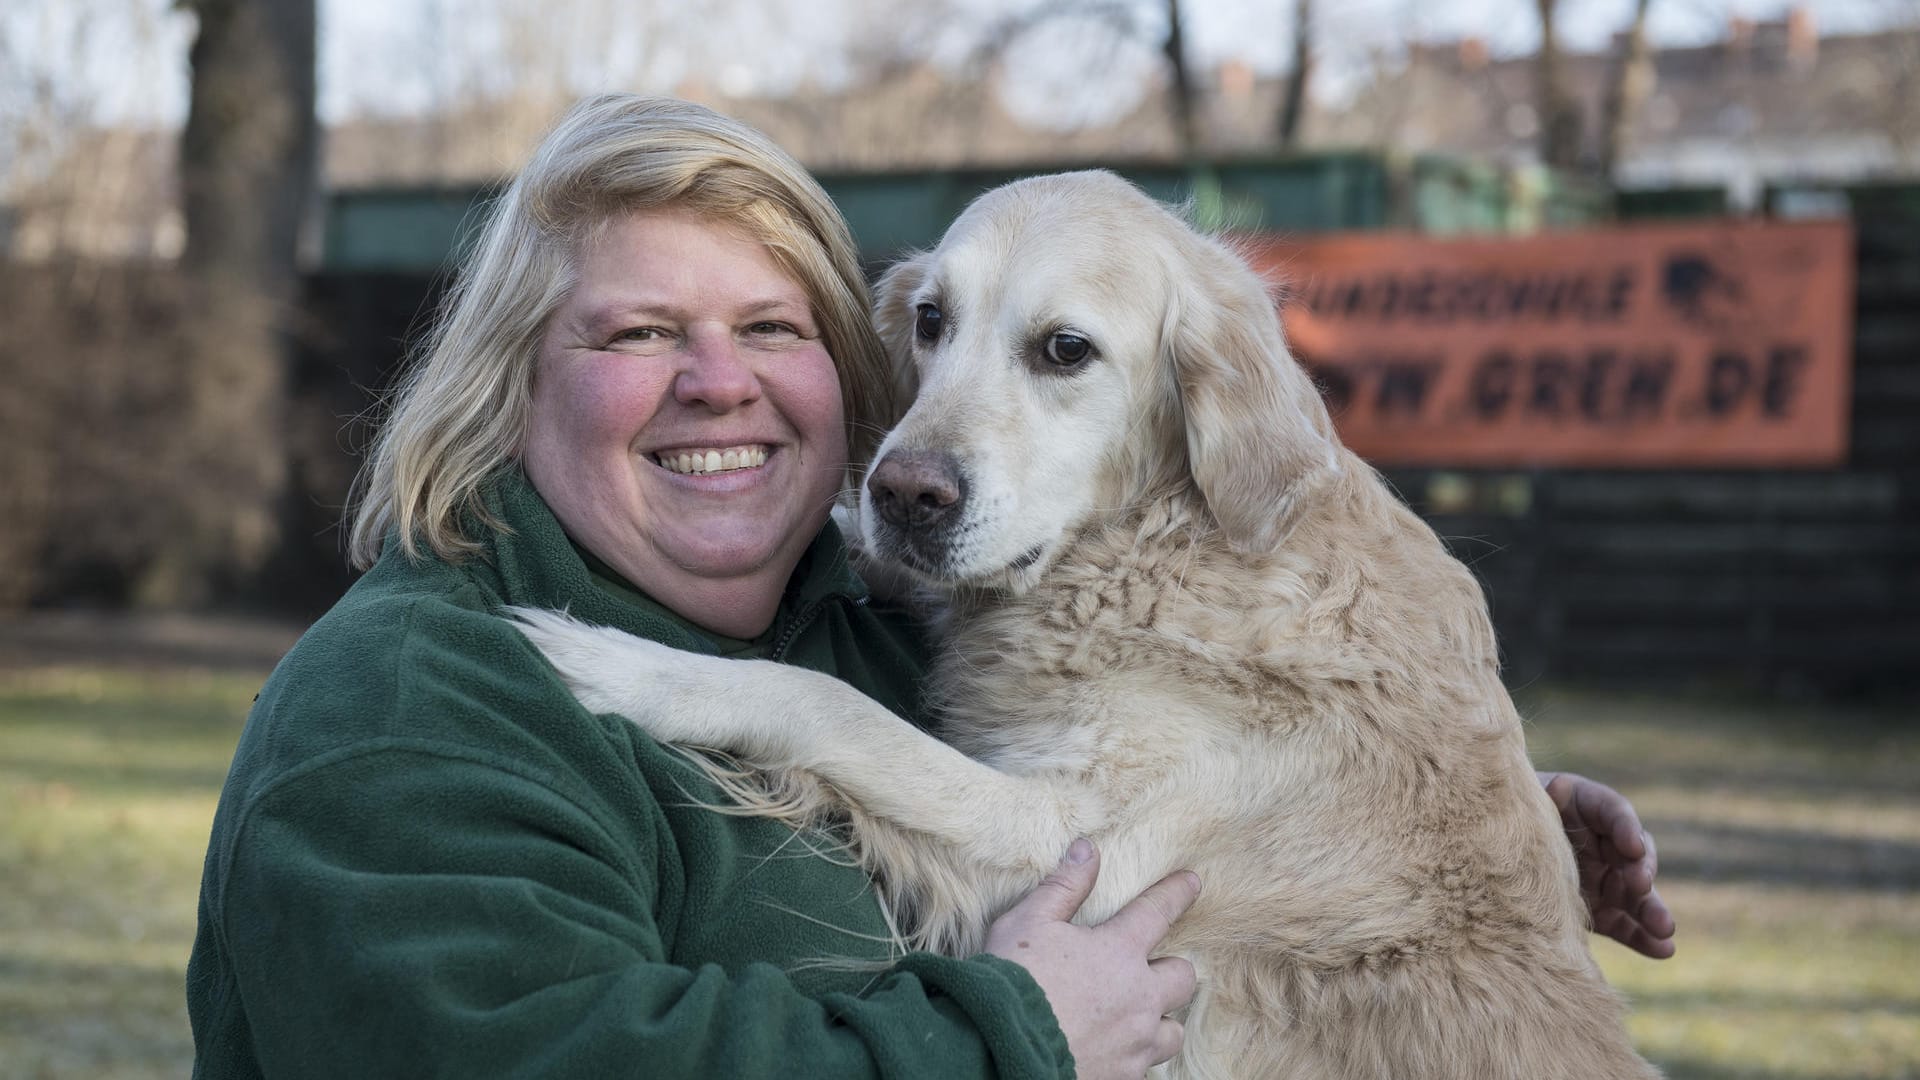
pixel 428 860
pixel 639 406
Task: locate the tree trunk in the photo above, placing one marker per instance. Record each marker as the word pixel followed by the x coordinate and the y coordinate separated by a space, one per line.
pixel 247 175
pixel 1559 117
pixel 1301 77
pixel 1183 92
pixel 1628 89
pixel 247 156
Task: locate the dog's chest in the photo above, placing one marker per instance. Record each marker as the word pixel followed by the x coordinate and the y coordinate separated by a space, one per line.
pixel 1086 621
pixel 1107 657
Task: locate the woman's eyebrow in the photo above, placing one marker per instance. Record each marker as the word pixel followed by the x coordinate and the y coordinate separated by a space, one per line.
pixel 624 308
pixel 627 308
pixel 776 305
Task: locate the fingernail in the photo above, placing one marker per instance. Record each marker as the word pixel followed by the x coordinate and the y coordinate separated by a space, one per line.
pixel 1080 851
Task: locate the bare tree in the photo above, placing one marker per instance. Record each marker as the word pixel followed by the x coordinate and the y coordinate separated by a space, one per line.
pixel 1627 89
pixel 87 401
pixel 247 164
pixel 1885 90
pixel 1299 79
pixel 1128 19
pixel 247 153
pixel 74 187
pixel 1559 115
pixel 1181 83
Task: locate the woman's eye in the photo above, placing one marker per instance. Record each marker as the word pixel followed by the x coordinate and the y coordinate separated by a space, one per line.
pixel 1068 350
pixel 768 329
pixel 637 333
pixel 928 322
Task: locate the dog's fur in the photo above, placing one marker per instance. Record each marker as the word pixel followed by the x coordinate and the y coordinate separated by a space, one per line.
pixel 1184 622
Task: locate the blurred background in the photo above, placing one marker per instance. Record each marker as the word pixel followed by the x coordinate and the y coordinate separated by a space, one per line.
pixel 1693 497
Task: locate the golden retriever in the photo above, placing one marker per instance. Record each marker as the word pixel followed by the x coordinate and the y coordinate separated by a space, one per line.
pixel 1183 621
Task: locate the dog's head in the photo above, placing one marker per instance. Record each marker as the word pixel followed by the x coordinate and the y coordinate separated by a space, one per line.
pixel 1077 349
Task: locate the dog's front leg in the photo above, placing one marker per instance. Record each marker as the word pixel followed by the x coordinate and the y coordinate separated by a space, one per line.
pixel 775 716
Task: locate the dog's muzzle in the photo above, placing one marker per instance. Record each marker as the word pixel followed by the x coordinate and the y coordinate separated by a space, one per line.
pixel 919 495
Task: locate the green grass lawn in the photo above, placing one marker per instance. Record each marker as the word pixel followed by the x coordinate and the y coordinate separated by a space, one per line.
pixel 1789 838
pixel 107 787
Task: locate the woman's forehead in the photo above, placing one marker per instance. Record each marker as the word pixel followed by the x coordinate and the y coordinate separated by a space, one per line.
pixel 677 264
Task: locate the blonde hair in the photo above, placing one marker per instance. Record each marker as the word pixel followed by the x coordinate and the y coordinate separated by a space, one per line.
pixel 461 411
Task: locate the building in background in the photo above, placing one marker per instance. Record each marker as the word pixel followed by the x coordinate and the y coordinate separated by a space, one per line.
pixel 1770 103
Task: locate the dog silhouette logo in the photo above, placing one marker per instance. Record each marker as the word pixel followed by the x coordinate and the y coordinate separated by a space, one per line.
pixel 1702 291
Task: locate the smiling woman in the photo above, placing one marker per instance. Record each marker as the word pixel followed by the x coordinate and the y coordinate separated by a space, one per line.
pixel 639 406
pixel 684 342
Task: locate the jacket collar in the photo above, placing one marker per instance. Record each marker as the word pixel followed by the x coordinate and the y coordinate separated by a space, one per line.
pixel 533 563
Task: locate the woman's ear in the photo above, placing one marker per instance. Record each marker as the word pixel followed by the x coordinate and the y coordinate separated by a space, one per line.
pixel 893 319
pixel 1259 440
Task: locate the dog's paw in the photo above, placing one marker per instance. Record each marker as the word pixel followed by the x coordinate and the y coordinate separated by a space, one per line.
pixel 609 671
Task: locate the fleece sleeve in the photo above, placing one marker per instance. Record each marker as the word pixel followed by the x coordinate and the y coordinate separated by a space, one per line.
pixel 403 910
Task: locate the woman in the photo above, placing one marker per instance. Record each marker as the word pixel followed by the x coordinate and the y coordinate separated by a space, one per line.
pixel 428 859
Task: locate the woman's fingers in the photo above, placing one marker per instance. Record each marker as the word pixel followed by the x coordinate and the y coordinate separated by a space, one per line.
pixel 1650 935
pixel 1147 917
pixel 1647 867
pixel 1167 1040
pixel 1609 814
pixel 1176 980
pixel 1618 863
pixel 1108 992
pixel 1060 894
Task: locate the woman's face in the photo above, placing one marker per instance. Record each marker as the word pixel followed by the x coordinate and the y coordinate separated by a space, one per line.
pixel 686 426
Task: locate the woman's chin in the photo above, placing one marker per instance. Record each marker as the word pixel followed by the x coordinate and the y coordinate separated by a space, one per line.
pixel 752 551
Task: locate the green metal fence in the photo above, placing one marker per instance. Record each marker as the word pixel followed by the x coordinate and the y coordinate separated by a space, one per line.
pixel 399 229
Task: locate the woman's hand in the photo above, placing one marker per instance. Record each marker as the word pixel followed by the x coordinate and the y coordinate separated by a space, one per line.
pixel 1111 1000
pixel 1617 864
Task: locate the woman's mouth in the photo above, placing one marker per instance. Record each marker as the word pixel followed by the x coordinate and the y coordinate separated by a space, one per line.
pixel 705 460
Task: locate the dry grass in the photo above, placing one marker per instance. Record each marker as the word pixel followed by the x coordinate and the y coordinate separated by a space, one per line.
pixel 1790 843
pixel 1790 850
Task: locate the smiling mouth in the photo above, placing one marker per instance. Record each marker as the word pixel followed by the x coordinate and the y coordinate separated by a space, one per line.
pixel 704 461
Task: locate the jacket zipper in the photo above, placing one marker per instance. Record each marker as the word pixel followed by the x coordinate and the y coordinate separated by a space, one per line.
pixel 800 622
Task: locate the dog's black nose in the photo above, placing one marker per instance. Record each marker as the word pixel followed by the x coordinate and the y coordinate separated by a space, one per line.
pixel 917 490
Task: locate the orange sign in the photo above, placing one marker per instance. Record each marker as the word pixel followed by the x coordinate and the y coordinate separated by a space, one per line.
pixel 1725 344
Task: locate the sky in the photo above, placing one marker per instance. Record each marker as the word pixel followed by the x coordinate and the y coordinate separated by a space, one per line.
pixel 125 60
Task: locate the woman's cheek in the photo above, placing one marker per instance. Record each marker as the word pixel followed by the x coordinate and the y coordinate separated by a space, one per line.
pixel 813 391
pixel 616 401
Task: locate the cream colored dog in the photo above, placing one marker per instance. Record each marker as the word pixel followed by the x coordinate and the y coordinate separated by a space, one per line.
pixel 1185 622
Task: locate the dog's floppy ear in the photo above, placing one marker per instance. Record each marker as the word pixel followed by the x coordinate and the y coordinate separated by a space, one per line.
pixel 893 318
pixel 1259 440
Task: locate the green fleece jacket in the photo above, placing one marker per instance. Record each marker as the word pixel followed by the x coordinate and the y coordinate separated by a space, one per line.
pixel 428 860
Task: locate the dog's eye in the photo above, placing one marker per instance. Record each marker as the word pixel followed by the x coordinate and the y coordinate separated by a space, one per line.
pixel 928 323
pixel 1068 350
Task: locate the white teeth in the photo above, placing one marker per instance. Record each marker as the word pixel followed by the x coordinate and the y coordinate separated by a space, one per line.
pixel 713 461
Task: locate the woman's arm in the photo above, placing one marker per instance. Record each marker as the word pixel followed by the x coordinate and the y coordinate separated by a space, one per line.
pixel 429 861
pixel 406 911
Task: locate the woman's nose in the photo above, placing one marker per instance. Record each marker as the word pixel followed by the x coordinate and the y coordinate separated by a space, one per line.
pixel 716 373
